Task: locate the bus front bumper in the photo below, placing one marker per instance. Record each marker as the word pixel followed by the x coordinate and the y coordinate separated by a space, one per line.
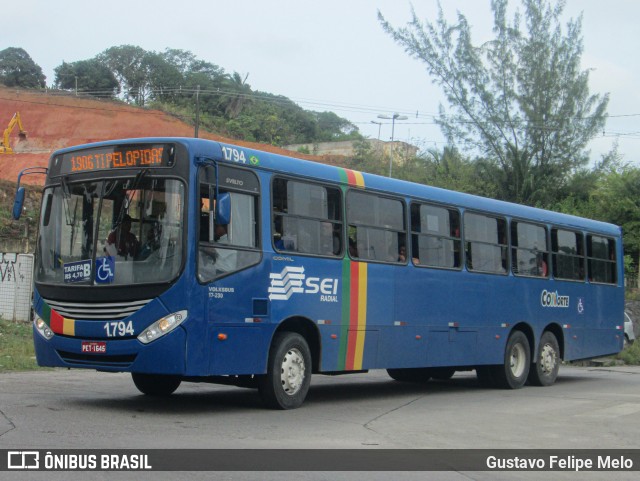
pixel 166 355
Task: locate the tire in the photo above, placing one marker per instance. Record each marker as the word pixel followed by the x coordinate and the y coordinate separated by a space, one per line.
pixel 286 384
pixel 415 375
pixel 155 384
pixel 545 371
pixel 517 362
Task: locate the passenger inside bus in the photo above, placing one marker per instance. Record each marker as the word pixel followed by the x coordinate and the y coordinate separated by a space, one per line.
pixel 153 242
pixel 541 266
pixel 353 250
pixel 121 241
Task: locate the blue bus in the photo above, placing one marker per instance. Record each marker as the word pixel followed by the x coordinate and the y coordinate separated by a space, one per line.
pixel 181 259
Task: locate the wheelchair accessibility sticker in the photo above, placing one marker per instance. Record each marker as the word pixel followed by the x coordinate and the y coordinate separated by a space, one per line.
pixel 105 269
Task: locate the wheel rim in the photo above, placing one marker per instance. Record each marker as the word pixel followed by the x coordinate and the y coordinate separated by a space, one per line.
pixel 292 372
pixel 518 360
pixel 548 359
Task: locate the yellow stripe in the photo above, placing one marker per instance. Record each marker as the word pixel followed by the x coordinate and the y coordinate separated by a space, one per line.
pixel 68 327
pixel 362 315
pixel 359 179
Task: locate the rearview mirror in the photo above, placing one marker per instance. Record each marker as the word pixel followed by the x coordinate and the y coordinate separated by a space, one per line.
pixel 18 203
pixel 223 209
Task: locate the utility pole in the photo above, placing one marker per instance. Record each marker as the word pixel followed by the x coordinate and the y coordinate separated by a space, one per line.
pixel 393 127
pixel 195 134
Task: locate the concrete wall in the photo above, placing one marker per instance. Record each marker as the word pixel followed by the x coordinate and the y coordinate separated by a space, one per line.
pixel 400 150
pixel 16 286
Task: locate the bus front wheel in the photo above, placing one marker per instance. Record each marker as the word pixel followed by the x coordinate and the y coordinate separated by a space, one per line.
pixel 155 384
pixel 517 359
pixel 545 371
pixel 288 377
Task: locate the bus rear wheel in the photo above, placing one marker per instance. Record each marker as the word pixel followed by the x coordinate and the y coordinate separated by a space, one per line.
pixel 517 359
pixel 286 384
pixel 155 384
pixel 545 371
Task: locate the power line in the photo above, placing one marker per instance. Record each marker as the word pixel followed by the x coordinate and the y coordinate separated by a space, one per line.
pixel 282 100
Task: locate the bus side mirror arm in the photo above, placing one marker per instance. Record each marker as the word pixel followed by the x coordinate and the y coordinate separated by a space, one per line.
pixel 223 201
pixel 18 201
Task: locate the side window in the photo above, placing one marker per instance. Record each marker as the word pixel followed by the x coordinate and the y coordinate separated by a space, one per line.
pixel 377 229
pixel 435 236
pixel 307 218
pixel 567 254
pixel 529 250
pixel 601 258
pixel 485 243
pixel 226 247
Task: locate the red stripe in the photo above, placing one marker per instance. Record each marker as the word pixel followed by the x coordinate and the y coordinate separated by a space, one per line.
pixel 57 322
pixel 351 177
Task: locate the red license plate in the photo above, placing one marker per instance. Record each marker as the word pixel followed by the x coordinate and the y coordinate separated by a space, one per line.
pixel 94 347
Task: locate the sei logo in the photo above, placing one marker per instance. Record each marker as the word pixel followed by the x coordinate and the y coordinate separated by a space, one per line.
pixel 292 280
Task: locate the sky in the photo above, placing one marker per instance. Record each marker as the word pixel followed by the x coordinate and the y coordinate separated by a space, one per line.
pixel 329 55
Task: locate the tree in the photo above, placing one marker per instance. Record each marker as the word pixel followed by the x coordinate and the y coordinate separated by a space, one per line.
pixel 449 169
pixel 618 202
pixel 615 199
pixel 209 78
pixel 334 128
pixel 180 59
pixel 237 96
pixel 17 69
pixel 163 79
pixel 520 99
pixel 87 76
pixel 127 62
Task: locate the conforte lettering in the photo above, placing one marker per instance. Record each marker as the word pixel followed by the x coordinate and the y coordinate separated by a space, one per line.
pixel 553 299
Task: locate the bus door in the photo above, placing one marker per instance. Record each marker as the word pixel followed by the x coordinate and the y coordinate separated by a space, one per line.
pixel 228 247
pixel 377 244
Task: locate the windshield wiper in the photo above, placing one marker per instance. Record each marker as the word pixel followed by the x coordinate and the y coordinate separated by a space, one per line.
pixel 134 185
pixel 66 195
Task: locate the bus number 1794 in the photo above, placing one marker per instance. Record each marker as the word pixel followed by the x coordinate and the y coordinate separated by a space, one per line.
pixel 234 155
pixel 118 329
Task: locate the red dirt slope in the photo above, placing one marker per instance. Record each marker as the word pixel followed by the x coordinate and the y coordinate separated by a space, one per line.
pixel 53 121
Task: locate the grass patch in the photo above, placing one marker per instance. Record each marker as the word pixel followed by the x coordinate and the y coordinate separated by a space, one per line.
pixel 630 355
pixel 16 347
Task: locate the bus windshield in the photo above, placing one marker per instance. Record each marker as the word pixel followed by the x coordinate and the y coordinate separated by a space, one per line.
pixel 111 231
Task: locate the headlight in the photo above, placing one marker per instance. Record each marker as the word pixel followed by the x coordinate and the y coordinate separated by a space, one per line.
pixel 162 327
pixel 42 327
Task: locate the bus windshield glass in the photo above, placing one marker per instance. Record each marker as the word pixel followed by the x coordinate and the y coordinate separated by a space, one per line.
pixel 111 231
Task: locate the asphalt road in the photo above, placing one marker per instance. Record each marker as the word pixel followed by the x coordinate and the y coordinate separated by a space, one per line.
pixel 590 408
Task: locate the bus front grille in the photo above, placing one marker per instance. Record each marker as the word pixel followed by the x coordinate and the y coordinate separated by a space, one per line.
pixel 96 360
pixel 97 311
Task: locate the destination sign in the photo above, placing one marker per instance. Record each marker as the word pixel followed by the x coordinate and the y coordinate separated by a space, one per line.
pixel 117 157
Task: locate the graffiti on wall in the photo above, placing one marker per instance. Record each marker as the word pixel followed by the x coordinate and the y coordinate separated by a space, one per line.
pixel 8 267
pixel 16 285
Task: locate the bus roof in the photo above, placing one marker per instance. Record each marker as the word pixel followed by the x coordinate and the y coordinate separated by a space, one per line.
pixel 313 170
